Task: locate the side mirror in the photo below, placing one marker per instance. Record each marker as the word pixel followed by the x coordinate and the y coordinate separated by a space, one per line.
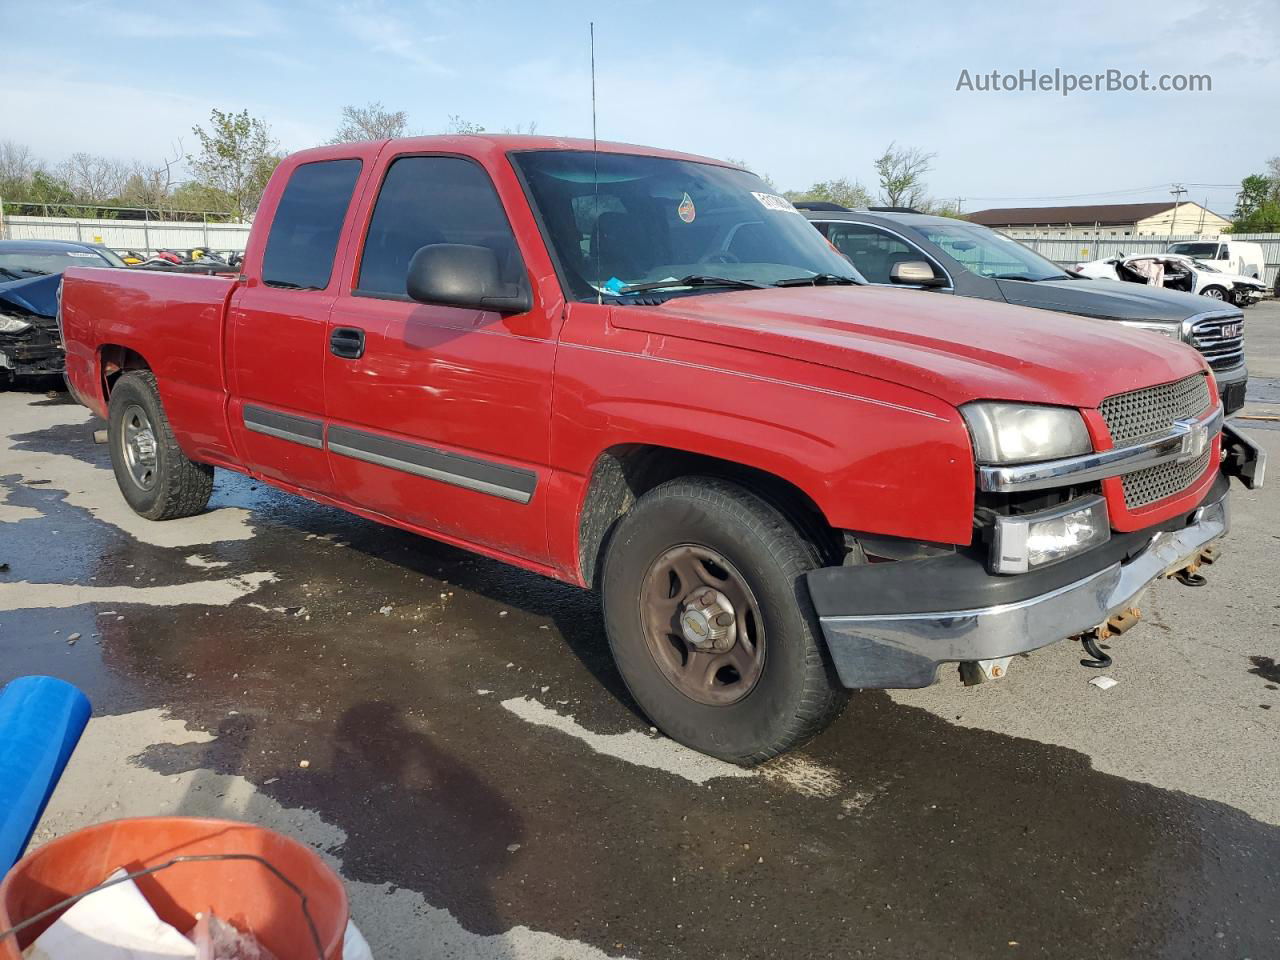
pixel 460 275
pixel 916 273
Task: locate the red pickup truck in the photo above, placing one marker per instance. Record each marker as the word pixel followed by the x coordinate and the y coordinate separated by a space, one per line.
pixel 642 372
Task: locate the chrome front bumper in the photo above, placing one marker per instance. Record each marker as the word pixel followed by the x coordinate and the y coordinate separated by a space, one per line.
pixel 905 650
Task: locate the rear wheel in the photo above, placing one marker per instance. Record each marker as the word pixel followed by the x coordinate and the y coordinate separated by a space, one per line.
pixel 710 622
pixel 154 475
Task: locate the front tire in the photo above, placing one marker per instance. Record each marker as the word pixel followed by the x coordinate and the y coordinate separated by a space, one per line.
pixel 154 475
pixel 1215 293
pixel 710 622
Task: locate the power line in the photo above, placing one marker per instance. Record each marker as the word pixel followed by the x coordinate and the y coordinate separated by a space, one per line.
pixel 1082 196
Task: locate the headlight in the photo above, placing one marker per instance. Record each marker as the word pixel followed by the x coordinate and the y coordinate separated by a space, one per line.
pixel 1006 433
pixel 10 324
pixel 1037 539
pixel 1171 330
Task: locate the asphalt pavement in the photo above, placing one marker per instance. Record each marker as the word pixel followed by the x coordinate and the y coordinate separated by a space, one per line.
pixel 451 735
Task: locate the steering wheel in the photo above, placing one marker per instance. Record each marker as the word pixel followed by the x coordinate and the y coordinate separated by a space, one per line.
pixel 723 257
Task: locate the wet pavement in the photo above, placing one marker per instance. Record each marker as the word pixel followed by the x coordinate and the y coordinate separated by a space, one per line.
pixel 477 773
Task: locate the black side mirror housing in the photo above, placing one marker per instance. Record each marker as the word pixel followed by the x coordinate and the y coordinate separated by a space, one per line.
pixel 461 275
pixel 915 273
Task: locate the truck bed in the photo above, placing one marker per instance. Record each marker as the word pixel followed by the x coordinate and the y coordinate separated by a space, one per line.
pixel 174 322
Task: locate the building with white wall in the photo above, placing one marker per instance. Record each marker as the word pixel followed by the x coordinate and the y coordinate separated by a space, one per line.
pixel 1105 220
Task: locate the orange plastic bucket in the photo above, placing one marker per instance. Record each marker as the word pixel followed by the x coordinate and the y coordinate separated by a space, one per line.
pixel 243 892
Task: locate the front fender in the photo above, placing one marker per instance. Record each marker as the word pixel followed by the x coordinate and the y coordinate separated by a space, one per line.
pixel 873 457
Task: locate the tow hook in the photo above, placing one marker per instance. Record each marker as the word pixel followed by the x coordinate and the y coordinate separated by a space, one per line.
pixel 1190 575
pixel 1114 626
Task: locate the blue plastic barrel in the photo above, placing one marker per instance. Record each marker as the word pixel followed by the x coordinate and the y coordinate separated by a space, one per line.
pixel 41 719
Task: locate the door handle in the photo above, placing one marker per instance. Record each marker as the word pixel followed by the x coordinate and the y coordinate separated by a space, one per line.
pixel 347 342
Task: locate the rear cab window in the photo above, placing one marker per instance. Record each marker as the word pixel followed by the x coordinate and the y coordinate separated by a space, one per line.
pixel 308 223
pixel 427 200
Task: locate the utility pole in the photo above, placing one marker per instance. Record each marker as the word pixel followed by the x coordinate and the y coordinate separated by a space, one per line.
pixel 1177 191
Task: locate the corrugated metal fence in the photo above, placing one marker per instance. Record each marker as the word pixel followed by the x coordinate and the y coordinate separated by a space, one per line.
pixel 144 236
pixel 1067 251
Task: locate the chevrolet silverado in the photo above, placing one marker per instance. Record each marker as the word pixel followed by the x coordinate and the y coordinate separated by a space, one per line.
pixel 642 372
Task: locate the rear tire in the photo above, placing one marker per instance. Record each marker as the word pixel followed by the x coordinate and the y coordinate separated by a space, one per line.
pixel 711 549
pixel 155 477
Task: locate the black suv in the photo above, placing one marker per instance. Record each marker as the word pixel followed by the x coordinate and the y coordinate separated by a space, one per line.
pixel 945 255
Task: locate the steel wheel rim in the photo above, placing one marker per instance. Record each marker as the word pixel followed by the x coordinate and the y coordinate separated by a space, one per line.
pixel 138 447
pixel 672 609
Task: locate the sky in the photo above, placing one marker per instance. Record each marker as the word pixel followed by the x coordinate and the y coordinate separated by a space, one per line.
pixel 802 91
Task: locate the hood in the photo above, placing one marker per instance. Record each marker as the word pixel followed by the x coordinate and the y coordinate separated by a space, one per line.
pixel 1107 299
pixel 34 295
pixel 954 348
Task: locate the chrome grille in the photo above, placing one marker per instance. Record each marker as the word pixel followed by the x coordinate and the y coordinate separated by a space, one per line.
pixel 1139 414
pixel 1165 480
pixel 1221 339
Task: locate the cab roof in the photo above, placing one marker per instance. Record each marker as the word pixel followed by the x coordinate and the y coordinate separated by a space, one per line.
pixel 482 143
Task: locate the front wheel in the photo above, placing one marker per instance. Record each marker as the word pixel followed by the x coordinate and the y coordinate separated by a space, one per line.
pixel 1215 293
pixel 710 622
pixel 154 475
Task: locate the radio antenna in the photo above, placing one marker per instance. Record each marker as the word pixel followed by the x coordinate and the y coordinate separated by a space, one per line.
pixel 595 166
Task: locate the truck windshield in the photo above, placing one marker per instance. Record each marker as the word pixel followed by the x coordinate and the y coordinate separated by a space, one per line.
pixel 990 254
pixel 619 221
pixel 20 265
pixel 1203 250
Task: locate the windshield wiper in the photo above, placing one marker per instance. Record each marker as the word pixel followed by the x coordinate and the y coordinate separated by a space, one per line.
pixel 26 274
pixel 694 280
pixel 817 280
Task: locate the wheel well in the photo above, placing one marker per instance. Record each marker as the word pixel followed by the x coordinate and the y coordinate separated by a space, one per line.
pixel 115 361
pixel 625 473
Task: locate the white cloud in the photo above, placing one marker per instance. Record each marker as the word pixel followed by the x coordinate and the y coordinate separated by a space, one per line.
pixel 378 30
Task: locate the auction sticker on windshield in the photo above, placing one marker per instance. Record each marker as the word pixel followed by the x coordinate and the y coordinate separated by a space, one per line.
pixel 772 201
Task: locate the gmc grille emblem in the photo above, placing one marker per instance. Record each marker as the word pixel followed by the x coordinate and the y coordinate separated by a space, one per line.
pixel 1231 330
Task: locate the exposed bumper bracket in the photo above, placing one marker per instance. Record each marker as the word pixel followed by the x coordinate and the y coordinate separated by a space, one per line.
pixel 1242 458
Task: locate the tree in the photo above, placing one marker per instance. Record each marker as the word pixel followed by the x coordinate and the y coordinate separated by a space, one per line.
pixel 902 171
pixel 841 190
pixel 1255 190
pixel 50 192
pixel 370 122
pixel 458 125
pixel 151 187
pixel 93 179
pixel 236 155
pixel 738 161
pixel 17 166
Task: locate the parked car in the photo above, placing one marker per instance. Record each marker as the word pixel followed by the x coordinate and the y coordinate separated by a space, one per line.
pixel 642 372
pixel 946 255
pixel 30 274
pixel 1230 256
pixel 1173 271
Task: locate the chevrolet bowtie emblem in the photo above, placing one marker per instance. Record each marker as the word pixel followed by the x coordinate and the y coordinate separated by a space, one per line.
pixel 1196 440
